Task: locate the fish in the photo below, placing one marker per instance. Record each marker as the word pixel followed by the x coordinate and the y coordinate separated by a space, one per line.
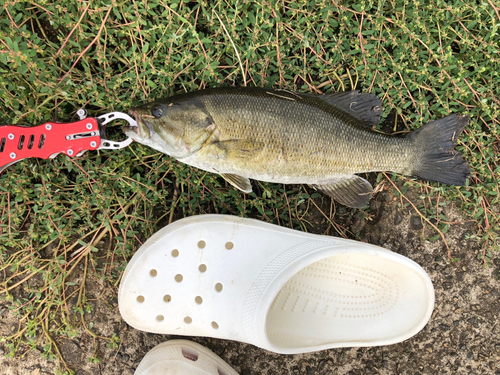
pixel 287 137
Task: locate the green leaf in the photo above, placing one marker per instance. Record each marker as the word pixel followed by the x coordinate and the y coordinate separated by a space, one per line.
pixel 151 84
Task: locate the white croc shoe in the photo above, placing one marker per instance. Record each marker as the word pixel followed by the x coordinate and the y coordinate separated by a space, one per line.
pixel 277 288
pixel 182 357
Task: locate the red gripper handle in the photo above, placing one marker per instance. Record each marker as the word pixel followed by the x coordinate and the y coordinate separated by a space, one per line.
pixel 47 140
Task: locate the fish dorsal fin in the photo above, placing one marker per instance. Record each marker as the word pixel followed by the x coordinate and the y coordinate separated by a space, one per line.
pixel 352 191
pixel 365 107
pixel 239 182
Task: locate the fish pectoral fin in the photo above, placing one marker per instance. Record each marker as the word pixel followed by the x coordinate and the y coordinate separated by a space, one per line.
pixel 239 182
pixel 365 107
pixel 239 148
pixel 352 191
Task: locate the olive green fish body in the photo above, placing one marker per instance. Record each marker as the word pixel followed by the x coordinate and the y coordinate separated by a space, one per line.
pixel 299 139
pixel 286 137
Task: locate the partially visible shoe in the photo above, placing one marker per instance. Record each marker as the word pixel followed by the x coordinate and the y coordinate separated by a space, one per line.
pixel 182 357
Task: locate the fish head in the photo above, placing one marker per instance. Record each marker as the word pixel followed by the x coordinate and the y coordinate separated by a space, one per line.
pixel 178 129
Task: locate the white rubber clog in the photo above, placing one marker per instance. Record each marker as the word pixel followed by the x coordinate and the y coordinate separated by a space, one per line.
pixel 277 288
pixel 182 357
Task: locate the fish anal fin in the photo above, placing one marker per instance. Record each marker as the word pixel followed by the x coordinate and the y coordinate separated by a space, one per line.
pixel 352 191
pixel 239 182
pixel 365 107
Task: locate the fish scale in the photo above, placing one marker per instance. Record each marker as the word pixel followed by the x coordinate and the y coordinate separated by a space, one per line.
pixel 285 137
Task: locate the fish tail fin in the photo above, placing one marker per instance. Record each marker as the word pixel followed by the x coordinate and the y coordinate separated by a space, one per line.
pixel 438 161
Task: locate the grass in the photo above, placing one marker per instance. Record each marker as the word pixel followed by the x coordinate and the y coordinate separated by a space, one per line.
pixel 65 220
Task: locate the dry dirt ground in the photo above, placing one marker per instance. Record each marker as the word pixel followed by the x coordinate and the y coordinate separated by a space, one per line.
pixel 462 337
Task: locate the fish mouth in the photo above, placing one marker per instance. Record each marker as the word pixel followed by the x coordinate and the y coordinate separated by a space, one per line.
pixel 134 115
pixel 141 130
pixel 135 128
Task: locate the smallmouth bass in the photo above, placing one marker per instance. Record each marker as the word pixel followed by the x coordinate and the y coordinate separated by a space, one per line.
pixel 292 138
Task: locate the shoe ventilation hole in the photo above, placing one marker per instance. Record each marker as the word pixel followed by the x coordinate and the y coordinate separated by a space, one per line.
pixel 202 244
pixel 178 277
pixel 229 245
pixel 153 273
pixel 190 354
pixel 175 253
pixel 202 268
pixel 159 318
pixel 198 300
pixel 218 287
pixel 140 299
pixel 167 298
pixel 215 325
pixel 221 371
pixel 188 320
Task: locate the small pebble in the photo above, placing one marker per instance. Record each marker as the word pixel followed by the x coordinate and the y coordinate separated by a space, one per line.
pixel 386 196
pixel 416 223
pixel 398 218
pixel 444 327
pixel 447 285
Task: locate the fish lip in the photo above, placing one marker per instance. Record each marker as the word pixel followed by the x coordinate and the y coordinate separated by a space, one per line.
pixel 135 128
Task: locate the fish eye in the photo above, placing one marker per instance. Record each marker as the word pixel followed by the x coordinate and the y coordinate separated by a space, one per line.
pixel 157 111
